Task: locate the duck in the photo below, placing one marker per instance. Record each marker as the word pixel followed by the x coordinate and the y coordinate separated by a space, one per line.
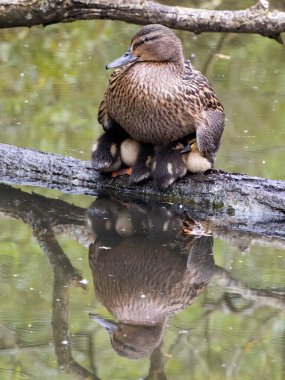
pixel 156 97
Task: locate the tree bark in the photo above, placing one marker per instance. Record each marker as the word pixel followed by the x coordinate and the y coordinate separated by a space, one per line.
pixel 233 200
pixel 256 19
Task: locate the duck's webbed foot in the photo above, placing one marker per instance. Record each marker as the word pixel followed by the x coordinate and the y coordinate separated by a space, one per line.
pixel 141 169
pixel 168 164
pixel 122 171
pixel 106 153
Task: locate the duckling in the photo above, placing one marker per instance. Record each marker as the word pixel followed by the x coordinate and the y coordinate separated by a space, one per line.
pixel 195 161
pixel 168 164
pixel 157 98
pixel 110 154
pixel 138 156
pixel 130 150
pixel 171 162
pixel 105 154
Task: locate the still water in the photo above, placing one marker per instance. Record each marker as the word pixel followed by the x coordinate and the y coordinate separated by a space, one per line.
pixel 115 289
pixel 111 289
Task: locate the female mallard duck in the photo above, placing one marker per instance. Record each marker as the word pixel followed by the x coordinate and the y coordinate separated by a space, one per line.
pixel 157 98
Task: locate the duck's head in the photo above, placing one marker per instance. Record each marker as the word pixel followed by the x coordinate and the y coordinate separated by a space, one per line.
pixel 132 341
pixel 152 43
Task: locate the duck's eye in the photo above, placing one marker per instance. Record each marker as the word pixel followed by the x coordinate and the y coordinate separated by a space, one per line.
pixel 141 42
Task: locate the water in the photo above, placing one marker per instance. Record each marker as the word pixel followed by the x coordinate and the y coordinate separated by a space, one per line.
pixel 179 304
pixel 52 81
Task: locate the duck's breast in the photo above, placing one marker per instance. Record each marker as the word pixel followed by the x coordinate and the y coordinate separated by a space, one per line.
pixel 153 106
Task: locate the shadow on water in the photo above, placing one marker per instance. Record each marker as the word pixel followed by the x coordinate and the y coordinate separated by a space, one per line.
pixel 146 267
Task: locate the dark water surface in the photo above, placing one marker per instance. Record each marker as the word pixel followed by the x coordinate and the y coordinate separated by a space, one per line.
pixel 176 306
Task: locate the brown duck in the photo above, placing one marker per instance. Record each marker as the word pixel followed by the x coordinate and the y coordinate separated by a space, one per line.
pixel 158 99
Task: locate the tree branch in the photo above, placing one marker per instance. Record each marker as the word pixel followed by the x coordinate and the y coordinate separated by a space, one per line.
pixel 258 296
pixel 235 201
pixel 256 19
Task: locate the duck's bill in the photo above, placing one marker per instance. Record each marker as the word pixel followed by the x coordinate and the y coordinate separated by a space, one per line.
pixel 121 61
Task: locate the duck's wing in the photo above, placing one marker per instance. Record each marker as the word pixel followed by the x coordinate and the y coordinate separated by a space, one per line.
pixel 103 116
pixel 206 93
pixel 210 130
pixel 199 86
pixel 115 132
pixel 209 134
pixel 103 113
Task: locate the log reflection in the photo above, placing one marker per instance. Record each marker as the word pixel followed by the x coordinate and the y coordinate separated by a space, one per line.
pixel 145 269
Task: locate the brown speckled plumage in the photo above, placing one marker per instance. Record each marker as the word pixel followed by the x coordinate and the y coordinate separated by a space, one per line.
pixel 162 101
pixel 156 97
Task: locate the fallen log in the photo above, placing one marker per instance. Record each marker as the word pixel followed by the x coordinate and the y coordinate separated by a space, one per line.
pixel 256 19
pixel 234 201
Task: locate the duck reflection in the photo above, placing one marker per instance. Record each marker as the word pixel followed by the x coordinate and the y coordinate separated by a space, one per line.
pixel 145 269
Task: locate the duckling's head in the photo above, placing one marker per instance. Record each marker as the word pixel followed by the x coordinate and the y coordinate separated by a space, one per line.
pixel 195 161
pixel 193 145
pixel 152 43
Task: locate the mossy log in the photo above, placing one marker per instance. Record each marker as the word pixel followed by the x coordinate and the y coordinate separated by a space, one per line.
pixel 231 200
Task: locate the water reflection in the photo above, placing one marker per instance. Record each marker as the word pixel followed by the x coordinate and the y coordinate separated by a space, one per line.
pixel 144 269
pixel 154 270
